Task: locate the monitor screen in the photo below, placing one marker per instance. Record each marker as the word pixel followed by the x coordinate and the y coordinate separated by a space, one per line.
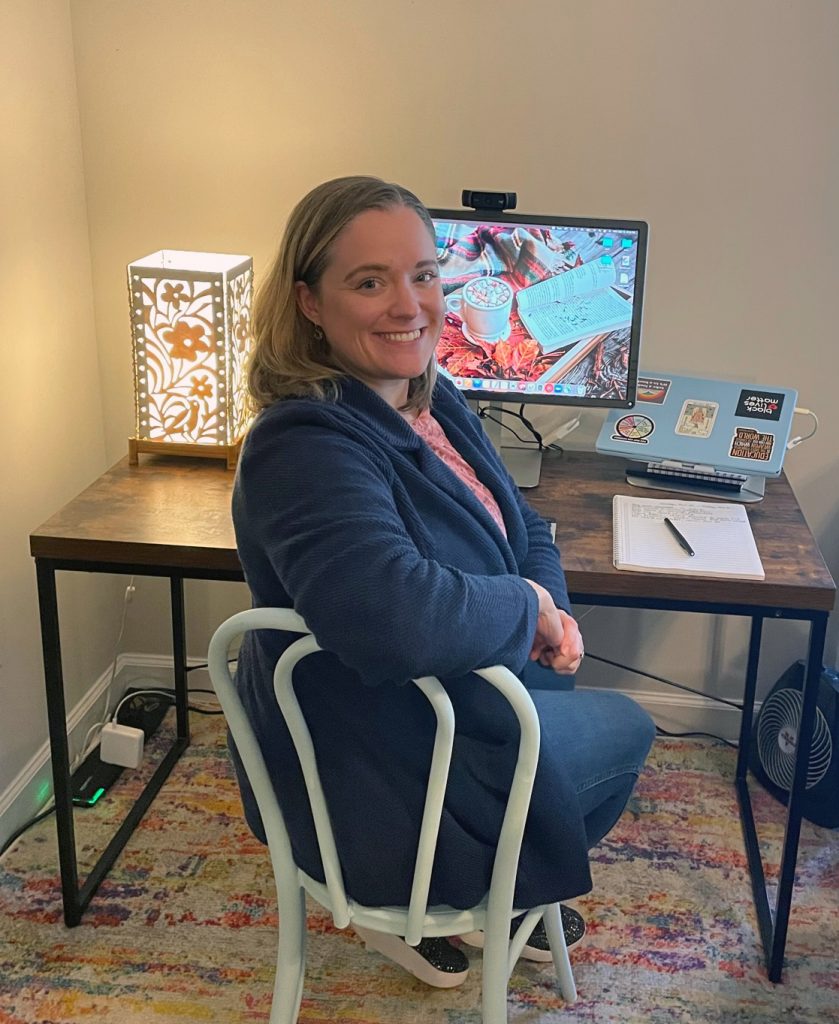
pixel 541 309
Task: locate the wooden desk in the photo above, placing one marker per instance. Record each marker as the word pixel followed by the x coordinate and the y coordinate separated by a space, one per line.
pixel 171 517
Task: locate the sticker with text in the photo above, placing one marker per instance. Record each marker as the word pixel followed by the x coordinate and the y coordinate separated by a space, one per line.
pixel 697 418
pixel 760 405
pixel 652 389
pixel 751 444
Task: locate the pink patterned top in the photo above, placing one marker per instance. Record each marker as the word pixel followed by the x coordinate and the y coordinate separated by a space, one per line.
pixel 434 436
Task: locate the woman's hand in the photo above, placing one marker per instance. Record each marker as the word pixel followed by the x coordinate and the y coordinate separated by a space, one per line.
pixel 558 644
pixel 566 659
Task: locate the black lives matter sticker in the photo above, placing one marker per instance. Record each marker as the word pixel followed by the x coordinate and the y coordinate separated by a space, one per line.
pixel 760 405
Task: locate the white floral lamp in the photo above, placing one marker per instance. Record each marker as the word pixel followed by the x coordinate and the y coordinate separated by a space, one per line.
pixel 191 327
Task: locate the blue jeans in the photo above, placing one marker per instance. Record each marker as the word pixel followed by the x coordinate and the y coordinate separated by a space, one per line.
pixel 601 737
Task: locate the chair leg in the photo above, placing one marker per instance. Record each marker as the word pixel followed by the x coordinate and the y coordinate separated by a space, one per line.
pixel 562 962
pixel 291 958
pixel 495 977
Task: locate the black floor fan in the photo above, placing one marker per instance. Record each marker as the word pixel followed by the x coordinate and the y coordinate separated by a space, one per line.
pixel 774 737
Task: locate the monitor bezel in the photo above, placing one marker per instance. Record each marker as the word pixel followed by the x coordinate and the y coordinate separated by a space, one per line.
pixel 532 219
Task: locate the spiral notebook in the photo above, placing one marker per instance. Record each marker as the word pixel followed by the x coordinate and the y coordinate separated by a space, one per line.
pixel 719 534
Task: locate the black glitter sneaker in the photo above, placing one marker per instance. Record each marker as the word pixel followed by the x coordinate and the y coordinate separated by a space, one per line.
pixel 435 961
pixel 537 947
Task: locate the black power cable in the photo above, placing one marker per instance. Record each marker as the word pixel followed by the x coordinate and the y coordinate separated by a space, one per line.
pixel 27 825
pixel 678 686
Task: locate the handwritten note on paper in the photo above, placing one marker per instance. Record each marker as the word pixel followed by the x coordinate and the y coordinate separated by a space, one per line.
pixel 720 535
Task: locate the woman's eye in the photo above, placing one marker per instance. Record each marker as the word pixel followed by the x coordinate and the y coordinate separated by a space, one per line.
pixel 428 275
pixel 368 284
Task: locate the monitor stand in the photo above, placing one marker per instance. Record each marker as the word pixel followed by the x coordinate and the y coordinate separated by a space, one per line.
pixel 523 464
pixel 705 485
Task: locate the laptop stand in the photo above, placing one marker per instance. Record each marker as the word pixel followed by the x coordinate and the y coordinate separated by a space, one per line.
pixel 705 481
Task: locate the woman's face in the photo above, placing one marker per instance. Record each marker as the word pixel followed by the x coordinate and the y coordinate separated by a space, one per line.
pixel 380 300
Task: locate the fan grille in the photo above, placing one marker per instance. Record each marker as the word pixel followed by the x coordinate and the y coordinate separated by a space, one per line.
pixel 777 734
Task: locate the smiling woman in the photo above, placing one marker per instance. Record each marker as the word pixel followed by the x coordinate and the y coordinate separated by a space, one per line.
pixel 294 353
pixel 380 302
pixel 369 499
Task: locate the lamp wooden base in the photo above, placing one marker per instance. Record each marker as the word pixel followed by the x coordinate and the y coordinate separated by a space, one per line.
pixel 228 452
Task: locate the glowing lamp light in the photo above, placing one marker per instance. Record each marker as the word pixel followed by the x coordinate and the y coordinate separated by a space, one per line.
pixel 191 330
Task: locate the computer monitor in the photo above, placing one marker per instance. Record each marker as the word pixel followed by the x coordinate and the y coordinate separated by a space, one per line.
pixel 541 308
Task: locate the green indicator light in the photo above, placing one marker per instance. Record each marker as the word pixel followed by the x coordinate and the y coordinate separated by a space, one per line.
pixel 96 795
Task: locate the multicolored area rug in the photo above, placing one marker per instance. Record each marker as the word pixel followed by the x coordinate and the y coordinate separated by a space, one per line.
pixel 184 928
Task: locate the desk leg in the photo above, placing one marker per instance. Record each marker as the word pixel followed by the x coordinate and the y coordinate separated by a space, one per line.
pixel 59 748
pixel 775 958
pixel 176 590
pixel 76 899
pixel 749 699
pixel 741 784
pixel 773 932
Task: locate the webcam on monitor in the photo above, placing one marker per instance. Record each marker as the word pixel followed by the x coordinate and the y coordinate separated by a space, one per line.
pixel 498 201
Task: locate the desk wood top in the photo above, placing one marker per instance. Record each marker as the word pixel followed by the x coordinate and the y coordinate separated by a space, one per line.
pixel 167 511
pixel 174 514
pixel 577 491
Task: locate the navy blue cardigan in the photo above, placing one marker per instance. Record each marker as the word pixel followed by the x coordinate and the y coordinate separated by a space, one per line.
pixel 344 513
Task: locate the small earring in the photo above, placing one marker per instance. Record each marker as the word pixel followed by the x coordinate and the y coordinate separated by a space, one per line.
pixel 317 331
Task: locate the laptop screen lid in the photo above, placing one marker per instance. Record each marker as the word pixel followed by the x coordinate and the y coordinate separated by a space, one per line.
pixel 724 426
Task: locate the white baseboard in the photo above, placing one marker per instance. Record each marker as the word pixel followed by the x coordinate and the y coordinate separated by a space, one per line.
pixel 30 790
pixel 686 713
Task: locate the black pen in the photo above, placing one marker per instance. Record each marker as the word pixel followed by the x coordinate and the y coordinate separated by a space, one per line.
pixel 683 544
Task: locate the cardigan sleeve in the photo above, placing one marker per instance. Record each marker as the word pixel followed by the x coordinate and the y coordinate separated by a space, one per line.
pixel 542 563
pixel 325 512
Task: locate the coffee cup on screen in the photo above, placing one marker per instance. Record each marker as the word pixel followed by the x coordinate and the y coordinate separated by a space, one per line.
pixel 484 305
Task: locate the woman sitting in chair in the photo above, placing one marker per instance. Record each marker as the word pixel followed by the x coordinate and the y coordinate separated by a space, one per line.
pixel 369 499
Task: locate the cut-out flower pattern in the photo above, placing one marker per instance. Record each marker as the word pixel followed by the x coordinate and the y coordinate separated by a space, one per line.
pixel 183 360
pixel 242 330
pixel 174 294
pixel 185 341
pixel 201 387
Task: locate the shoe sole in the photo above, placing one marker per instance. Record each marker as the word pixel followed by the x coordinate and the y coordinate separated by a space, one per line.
pixel 539 956
pixel 397 950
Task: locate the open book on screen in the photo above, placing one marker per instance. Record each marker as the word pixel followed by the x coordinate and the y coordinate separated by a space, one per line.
pixel 576 304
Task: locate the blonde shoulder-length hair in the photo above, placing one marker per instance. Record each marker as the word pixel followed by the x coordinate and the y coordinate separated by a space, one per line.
pixel 289 356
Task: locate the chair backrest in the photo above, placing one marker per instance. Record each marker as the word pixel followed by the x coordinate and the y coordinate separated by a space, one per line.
pixel 499 900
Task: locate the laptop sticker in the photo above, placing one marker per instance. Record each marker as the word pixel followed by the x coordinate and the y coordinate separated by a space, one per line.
pixel 697 418
pixel 761 405
pixel 633 428
pixel 751 444
pixel 652 389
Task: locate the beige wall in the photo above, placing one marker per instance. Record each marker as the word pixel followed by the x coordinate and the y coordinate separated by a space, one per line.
pixel 50 407
pixel 203 121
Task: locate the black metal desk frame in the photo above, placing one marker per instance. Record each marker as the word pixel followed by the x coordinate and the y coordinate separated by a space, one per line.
pixel 75 898
pixel 773 930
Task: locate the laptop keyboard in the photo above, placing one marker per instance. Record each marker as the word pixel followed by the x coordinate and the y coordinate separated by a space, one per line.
pixel 718 479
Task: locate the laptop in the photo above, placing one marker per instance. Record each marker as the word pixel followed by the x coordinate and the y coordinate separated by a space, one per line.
pixel 700 436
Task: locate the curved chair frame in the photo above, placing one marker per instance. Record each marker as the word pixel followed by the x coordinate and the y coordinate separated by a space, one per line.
pixel 417 920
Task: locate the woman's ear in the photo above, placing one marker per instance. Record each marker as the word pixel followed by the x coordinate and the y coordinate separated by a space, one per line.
pixel 307 301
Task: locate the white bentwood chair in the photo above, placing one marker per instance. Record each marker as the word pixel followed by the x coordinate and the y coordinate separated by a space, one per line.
pixel 417 920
